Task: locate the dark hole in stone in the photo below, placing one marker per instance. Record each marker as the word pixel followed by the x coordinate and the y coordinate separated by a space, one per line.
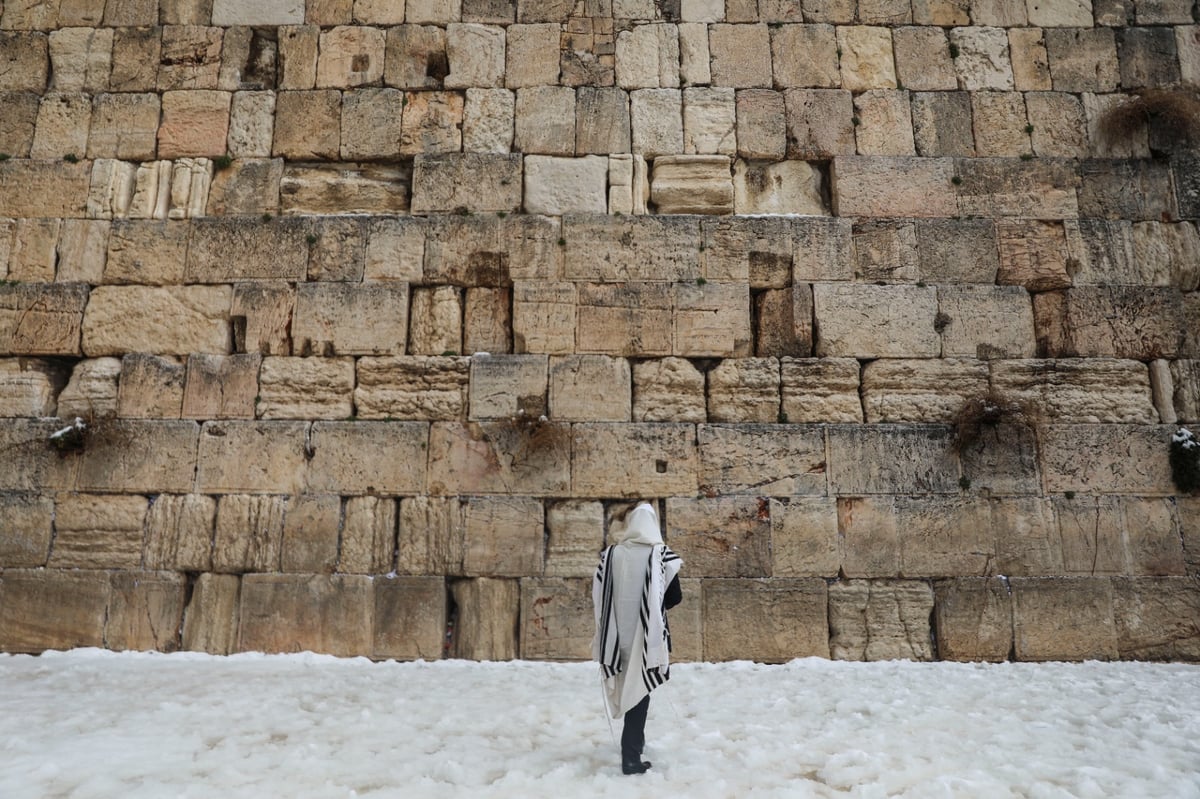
pixel 360 63
pixel 437 66
pixel 489 269
pixel 660 467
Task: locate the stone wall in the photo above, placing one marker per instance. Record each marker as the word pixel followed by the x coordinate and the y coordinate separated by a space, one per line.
pixel 311 274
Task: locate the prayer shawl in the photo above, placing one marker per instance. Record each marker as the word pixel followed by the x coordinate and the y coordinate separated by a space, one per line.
pixel 632 640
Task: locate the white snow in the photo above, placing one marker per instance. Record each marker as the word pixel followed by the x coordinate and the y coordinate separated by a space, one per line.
pixel 89 723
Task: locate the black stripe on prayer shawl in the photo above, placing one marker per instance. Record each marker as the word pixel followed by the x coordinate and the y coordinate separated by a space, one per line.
pixel 610 646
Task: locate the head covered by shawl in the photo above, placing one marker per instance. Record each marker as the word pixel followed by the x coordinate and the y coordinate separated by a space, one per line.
pixel 641 527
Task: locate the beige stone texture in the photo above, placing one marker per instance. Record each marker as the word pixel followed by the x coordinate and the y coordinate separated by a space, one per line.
pixel 602 124
pixel 866 58
pixel 194 123
pixel 1067 618
pixel 1030 63
pixel 647 57
pixel 761 460
pixel 361 457
pixel 820 390
pixel 27 57
pixel 999 121
pixel 307 125
pixel 432 123
pixel 986 322
pixel 265 12
pixel 1059 125
pixel 654 248
pixel 784 322
pixel 252 457
pixel 722 536
pixel 757 249
pixel 124 126
pixel 1069 14
pixel 544 317
pixel 377 12
pixel 557 186
pixel 368 535
pixel 310 534
pixel 41 319
pixel 1105 458
pixel 621 460
pixel 98 532
pixel 135 61
pixel 345 188
pixel 634 319
pixel 656 118
pixel 999 187
pixel 574 534
pixel 82 244
pixel 884 124
pixel 487 325
pixel 26 530
pixel 1185 377
pixel 145 611
pixel 302 388
pixel 327 614
pixel 1162 255
pixel 491 250
pixel 171 320
pixel 712 320
pixel 251 124
pixel 92 390
pixel 42 610
pixel 435 321
pixel 1119 536
pixel 983 58
pixel 49 188
pixel 395 249
pixel 805 56
pixel 1083 391
pixel 1162 391
pixel 350 56
pixel 880 620
pixel 32 256
pixel 532 55
pixel 371 123
pixel 695 65
pixel 593 388
pixel 709 121
pixel 999 13
pixel 556 618
pixel 741 55
pixel 222 387
pixel 923 61
pixel 887 459
pixel 476 55
pixel 973 619
pixel 298 47
pixel 337 251
pixel 431 536
pixel 744 390
pixel 262 316
pixel 249 533
pixel 921 391
pixel 39 468
pixel 418 387
pixel 1118 322
pixel 499 458
pixel 435 12
pixel 487 624
pixel 856 320
pixel 761 124
pixel 690 184
pixel 179 532
pixel 191 58
pixel 416 57
pixel 409 618
pixel 1083 59
pixel 793 610
pixel 668 390
pixel 331 12
pixel 63 123
pixel 804 537
pixel 488 121
pixel 913 187
pixel 26 389
pixel 139 456
pixel 18 119
pixel 80 59
pixel 1187 38
pixel 1151 618
pixel 350 319
pixel 474 181
pixel 503 537
pixel 210 622
pixel 885 251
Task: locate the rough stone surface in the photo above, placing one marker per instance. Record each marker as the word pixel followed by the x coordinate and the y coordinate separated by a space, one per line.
pixel 793 609
pixel 42 610
pixel 487 624
pixel 922 391
pixel 557 186
pixel 973 619
pixel 175 320
pixel 668 390
pixel 329 614
pixel 1068 618
pixel 621 460
pixel 857 321
pixel 95 531
pixel 556 618
pixel 880 620
pixel 818 390
pixel 761 460
pixel 986 322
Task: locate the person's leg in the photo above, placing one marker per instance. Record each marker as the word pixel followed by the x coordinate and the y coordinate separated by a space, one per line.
pixel 633 738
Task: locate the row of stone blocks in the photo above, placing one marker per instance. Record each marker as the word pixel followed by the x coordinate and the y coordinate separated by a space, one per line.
pixel 993 619
pixel 729 535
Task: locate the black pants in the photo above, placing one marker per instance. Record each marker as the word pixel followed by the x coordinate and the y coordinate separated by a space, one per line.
pixel 633 736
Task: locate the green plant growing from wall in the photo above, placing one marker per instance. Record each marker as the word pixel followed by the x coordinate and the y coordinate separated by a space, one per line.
pixel 1184 458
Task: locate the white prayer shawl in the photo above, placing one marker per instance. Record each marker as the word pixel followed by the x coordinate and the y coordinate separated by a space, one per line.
pixel 631 641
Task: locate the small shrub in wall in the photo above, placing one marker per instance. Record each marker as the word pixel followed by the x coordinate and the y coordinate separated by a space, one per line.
pixel 1185 461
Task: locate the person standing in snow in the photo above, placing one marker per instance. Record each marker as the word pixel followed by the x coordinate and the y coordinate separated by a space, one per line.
pixel 636 581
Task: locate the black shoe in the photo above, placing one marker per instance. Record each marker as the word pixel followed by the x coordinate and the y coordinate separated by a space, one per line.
pixel 634 766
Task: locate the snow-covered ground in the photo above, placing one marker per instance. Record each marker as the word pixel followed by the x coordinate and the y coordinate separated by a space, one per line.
pixel 96 724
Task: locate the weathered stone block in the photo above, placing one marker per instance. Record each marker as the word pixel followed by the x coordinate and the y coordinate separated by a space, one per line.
pixel 695 63
pixel 425 388
pixel 194 123
pixel 175 320
pixel 737 612
pixel 1059 125
pixel 26 56
pixel 344 189
pixel 1118 459
pixel 741 55
pixel 329 614
pixel 249 533
pixel 627 460
pixel 435 321
pixel 431 538
pixel 804 537
pixel 42 610
pixel 80 58
pixel 593 388
pixel 487 325
pixel 1039 189
pixel 1119 536
pixel 35 465
pixel 1152 618
pixel 575 533
pixel 251 124
pixel 601 122
pixel 432 123
pixel 1067 618
pixel 302 388
pixel 744 390
pixel 475 181
pixel 652 249
pixel 64 120
pixel 766 460
pixel 145 611
pixel 1148 57
pixel 261 314
pixel 820 123
pixel 884 250
pixel 880 620
pixel 1110 321
pixel 923 61
pixel 721 537
pixel 499 458
pixel 487 625
pixel 986 322
pixel 98 532
pixel 656 120
pixel 503 537
pixel 784 322
pixel 32 254
pixel 252 457
pixel 532 55
pixel 26 388
pixel 820 390
pixel 544 317
pixel 225 250
pixel 1127 189
pixel 983 58
pixel 691 184
pixel 1085 391
pixel 668 390
pixel 921 391
pixel 18 118
pixel 491 250
pixel 886 459
pixel 351 319
pixel 488 120
pixel 885 125
pixel 298 56
pixel 26 529
pixel 1030 63
pixel 146 252
pixel 973 619
pixel 41 319
pixel 416 58
pixel 371 123
pixel 92 389
pixel 556 618
pixel 805 56
pixel 145 456
pixel 1000 124
pixel 632 319
pixel 857 320
pixel 913 187
pixel 647 57
pixel 135 61
pixel 710 121
pixel 368 457
pixel 311 533
pixel 508 386
pixel 307 125
pixel 179 532
pixel 1082 59
pixel 350 56
pixel 557 186
pixel 271 12
pixel 210 622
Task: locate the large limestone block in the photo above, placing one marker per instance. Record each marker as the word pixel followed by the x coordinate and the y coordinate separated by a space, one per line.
pixel 415 57
pixel 875 321
pixel 923 61
pixel 887 459
pixel 221 386
pixel 804 537
pixel 144 456
pixel 819 123
pixel 942 124
pixel 371 123
pixel 145 611
pixel 175 320
pixel 92 389
pixel 532 55
pixel 307 125
pixel 557 620
pixel 884 251
pixel 635 460
pixel 432 123
pixel 820 390
pixel 93 531
pixel 1003 459
pixel 893 187
pixel 1065 618
pixel 395 249
pixel 251 124
pixel 986 322
pixel 866 58
pixel 271 12
pixel 431 537
pixel 136 57
pixel 695 64
pixel 304 388
pixel 1119 536
pixel 27 62
pixel 656 119
pixel 227 250
pixel 17 122
pixel 25 390
pixel 880 620
pixel 574 534
pixel 557 186
pixel 668 390
pixel 711 320
pixel 42 610
pixel 1038 189
pixel 488 119
pixel 311 534
pixel 487 624
pixel 784 322
pixel 329 614
pixel 262 318
pixel 1030 62
pixel 179 532
pixel 350 56
pixel 885 125
pixel 487 325
pixel 601 122
pixel 32 256
pixel 1153 618
pixel 249 533
pixel 983 62
pixel 50 189
pixel 435 321
pixel 1111 321
pixel 651 248
pixel 252 457
pixel 1106 458
pixel 1165 255
pixel 508 386
pixel 647 57
pixel 80 58
pixel 1126 189
pixel 1083 391
pixel 503 537
pixel 491 250
pixel 786 187
pixel 922 391
pixel 1033 254
pixel 973 619
pixel 710 121
pixel 722 536
pixel 741 55
pixel 805 55
pixel 771 621
pixel 544 317
pixel 368 535
pixel 368 457
pixel 26 528
pixel 338 250
pixel 760 459
pixel 210 622
pixel 146 252
pixel 758 249
pixel 1185 380
pixel 194 123
pixel 691 184
pixel 744 390
pixel 590 388
pixel 499 458
pixel 475 54
pixel 1060 126
pixel 632 319
pixel 35 466
pixel 474 181
pixel 41 319
pixel 344 188
pixel 418 387
pixel 351 319
pixel 437 12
